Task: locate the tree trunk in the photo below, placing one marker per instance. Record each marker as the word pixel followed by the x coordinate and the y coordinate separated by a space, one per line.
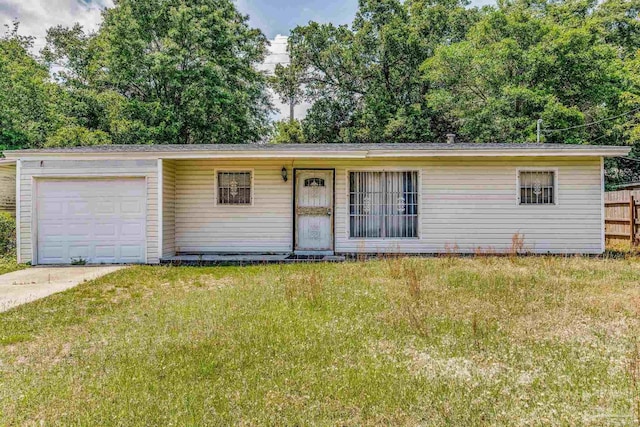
pixel 291 110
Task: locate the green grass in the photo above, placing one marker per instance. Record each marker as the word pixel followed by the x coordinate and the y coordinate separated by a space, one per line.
pixel 449 341
pixel 9 264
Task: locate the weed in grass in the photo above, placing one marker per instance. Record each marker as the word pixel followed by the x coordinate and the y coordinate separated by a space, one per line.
pixel 14 339
pixel 634 376
pixel 517 244
pixel 307 286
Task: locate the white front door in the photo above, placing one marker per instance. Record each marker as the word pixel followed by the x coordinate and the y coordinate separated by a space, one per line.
pixel 94 220
pixel 314 210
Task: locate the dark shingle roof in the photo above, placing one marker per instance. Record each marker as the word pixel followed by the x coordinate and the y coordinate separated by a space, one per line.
pixel 311 147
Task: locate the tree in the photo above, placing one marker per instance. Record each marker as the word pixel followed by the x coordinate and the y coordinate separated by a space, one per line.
pixel 287 132
pixel 366 80
pixel 166 71
pixel 27 98
pixel 287 82
pixel 517 65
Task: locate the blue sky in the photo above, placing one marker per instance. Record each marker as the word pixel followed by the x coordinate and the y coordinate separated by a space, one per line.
pixel 273 17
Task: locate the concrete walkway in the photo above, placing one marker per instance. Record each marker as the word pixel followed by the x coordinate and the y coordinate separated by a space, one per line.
pixel 23 286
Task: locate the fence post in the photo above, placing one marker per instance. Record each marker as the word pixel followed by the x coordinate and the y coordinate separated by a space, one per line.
pixel 632 219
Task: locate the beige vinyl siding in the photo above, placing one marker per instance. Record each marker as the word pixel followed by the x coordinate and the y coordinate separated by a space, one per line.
pixel 466 205
pixel 169 208
pixel 204 226
pixel 78 169
pixel 471 205
pixel 8 188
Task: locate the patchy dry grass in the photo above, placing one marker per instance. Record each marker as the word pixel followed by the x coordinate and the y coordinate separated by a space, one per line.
pixel 8 264
pixel 450 341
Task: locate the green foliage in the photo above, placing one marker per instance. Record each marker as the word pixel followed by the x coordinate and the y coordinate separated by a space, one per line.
pixel 7 235
pixel 366 80
pixel 176 71
pixel 287 132
pixel 517 66
pixel 28 99
pixel 77 136
pixel 416 70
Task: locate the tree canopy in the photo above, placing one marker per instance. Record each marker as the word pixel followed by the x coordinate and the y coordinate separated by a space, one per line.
pixel 184 71
pixel 156 71
pixel 415 70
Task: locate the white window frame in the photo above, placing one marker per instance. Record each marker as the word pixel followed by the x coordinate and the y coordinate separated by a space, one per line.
pixel 386 169
pixel 556 185
pixel 217 189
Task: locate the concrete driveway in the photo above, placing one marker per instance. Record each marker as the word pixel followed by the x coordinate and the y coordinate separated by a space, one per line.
pixel 23 286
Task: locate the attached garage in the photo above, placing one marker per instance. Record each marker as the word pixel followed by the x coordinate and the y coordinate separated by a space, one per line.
pixel 96 220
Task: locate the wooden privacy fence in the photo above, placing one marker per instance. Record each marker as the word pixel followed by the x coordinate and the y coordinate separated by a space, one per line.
pixel 621 215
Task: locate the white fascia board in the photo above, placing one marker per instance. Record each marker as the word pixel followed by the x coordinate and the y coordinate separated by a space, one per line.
pixel 532 152
pixel 606 152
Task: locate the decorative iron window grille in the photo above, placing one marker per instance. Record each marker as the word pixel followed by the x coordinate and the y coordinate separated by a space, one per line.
pixel 234 188
pixel 314 182
pixel 537 187
pixel 383 204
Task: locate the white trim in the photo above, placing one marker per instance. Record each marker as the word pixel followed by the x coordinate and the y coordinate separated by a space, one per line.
pixel 602 208
pixel 556 186
pixel 18 211
pixel 146 220
pixel 160 208
pixel 607 151
pixel 417 169
pixel 216 189
pixel 34 221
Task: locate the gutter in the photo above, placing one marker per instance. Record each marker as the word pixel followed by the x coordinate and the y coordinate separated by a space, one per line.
pixel 605 151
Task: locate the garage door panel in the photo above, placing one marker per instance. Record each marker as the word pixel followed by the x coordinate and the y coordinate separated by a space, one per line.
pixel 131 207
pixel 131 251
pixel 52 253
pixel 105 207
pixel 132 230
pixel 106 231
pixel 98 220
pixel 52 210
pixel 51 230
pixel 79 251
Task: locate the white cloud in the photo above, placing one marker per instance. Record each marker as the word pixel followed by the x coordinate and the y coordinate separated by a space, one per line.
pixel 36 16
pixel 278 55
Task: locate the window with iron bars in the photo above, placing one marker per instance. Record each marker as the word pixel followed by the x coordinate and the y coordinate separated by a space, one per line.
pixel 537 187
pixel 383 204
pixel 234 188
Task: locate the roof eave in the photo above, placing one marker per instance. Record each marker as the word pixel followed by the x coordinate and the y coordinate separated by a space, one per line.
pixel 528 152
pixel 607 151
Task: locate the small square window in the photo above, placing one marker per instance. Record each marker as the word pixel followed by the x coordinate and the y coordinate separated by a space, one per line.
pixel 234 188
pixel 537 187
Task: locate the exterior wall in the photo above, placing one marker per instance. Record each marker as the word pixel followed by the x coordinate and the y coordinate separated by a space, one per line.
pixel 466 205
pixel 8 189
pixel 33 170
pixel 168 208
pixel 204 226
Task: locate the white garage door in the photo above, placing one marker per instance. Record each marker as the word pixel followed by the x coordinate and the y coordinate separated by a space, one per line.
pixel 97 220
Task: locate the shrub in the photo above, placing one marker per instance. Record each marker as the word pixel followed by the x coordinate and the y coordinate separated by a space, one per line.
pixel 7 235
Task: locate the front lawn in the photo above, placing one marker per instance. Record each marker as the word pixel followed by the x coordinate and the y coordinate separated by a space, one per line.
pixel 448 341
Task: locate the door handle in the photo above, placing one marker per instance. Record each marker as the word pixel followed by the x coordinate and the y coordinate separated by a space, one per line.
pixel 328 211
